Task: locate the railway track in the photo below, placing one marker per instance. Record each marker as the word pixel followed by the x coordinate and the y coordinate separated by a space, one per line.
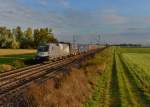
pixel 18 80
pixel 15 80
pixel 5 78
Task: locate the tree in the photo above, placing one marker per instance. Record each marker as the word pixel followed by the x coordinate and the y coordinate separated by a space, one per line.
pixel 6 37
pixel 28 34
pixel 50 36
pixel 36 36
pixel 27 40
pixel 16 38
pixel 19 33
pixel 43 35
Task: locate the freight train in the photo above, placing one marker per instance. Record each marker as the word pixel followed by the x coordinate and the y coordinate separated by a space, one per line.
pixel 51 51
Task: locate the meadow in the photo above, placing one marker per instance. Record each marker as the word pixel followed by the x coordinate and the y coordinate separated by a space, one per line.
pixel 5 52
pixel 125 81
pixel 14 58
pixel 10 58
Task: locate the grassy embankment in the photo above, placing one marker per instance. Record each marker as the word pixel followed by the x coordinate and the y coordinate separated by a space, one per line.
pixel 14 58
pixel 101 94
pixel 77 88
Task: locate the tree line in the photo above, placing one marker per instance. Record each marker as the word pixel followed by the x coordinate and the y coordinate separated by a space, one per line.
pixel 28 38
pixel 129 45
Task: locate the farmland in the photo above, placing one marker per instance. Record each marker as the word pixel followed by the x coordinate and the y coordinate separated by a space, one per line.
pixel 10 58
pixel 13 58
pixel 7 56
pixel 125 81
pixel 4 52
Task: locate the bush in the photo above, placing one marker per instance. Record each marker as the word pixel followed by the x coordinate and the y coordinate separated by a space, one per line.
pixel 5 67
pixel 18 64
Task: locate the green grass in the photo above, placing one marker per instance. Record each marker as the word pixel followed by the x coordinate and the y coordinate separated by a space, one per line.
pixel 136 85
pixel 16 61
pixel 126 80
pixel 101 93
pixel 134 50
pixel 124 86
pixel 11 58
pixel 135 68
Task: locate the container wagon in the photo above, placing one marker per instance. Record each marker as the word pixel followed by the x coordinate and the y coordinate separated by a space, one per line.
pixel 92 47
pixel 83 48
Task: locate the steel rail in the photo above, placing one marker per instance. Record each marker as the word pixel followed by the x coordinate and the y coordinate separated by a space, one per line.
pixel 21 78
pixel 29 73
pixel 5 78
pixel 26 76
pixel 24 68
pixel 33 74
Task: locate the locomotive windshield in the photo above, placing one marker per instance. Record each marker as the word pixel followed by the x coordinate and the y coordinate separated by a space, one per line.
pixel 43 48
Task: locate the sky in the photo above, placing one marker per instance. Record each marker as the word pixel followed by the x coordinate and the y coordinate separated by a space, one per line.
pixel 117 21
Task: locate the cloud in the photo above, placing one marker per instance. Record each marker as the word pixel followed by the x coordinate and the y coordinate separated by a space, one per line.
pixel 77 18
pixel 112 17
pixel 13 14
pixel 43 2
pixel 70 21
pixel 146 20
pixel 64 3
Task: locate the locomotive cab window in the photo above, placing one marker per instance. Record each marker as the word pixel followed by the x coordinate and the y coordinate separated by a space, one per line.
pixel 43 48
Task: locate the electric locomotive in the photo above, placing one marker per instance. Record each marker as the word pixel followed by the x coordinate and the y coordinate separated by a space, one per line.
pixel 52 51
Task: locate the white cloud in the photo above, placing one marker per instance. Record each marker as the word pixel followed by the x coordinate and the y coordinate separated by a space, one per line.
pixel 72 21
pixel 64 3
pixel 113 17
pixel 12 14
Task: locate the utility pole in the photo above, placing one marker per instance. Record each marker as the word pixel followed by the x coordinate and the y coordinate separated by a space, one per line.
pixel 74 39
pixel 99 39
pixel 74 42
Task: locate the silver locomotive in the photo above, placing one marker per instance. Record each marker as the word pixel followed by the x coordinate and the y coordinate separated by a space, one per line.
pixel 53 51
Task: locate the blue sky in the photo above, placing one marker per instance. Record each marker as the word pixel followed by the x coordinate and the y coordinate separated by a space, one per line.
pixel 118 21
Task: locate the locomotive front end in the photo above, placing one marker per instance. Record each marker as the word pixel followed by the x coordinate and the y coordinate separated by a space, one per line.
pixel 42 53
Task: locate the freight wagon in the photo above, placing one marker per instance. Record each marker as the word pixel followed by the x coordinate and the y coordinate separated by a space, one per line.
pixel 93 46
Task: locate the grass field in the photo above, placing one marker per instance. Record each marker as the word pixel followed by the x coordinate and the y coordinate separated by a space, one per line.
pixel 4 52
pixel 10 58
pixel 14 58
pixel 126 80
pixel 7 56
